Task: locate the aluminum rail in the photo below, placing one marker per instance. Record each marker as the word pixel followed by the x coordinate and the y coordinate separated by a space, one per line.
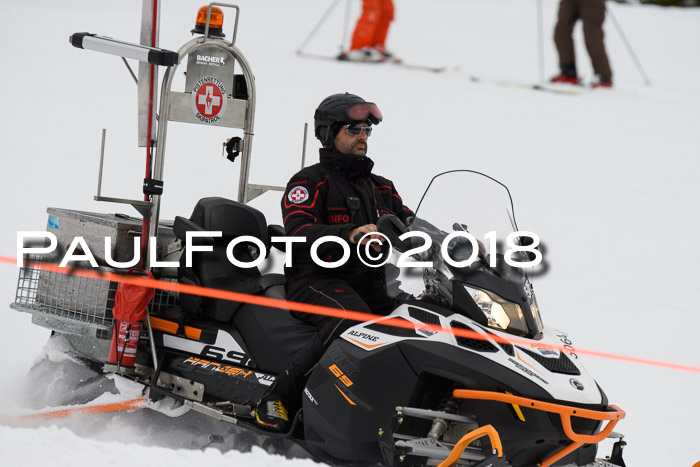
pixel 142 53
pixel 249 118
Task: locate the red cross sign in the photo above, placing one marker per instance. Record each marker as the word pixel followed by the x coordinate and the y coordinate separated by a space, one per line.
pixel 298 195
pixel 208 100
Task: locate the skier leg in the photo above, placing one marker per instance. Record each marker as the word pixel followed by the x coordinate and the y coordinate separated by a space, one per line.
pixel 366 25
pixel 563 31
pixel 593 16
pixel 386 16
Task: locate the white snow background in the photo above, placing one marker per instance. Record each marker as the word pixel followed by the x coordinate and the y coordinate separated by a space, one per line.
pixel 608 180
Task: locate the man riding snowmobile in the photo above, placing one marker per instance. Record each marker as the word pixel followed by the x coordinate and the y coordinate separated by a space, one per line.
pixel 341 197
pixel 429 383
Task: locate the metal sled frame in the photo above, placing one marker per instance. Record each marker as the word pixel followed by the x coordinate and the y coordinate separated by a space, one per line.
pixel 175 105
pixel 429 447
pixel 87 310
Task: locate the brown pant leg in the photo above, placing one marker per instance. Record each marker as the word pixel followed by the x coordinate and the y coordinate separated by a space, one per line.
pixel 567 17
pixel 592 16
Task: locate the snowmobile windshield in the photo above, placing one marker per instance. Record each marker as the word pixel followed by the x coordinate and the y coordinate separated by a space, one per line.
pixel 470 222
pixel 469 201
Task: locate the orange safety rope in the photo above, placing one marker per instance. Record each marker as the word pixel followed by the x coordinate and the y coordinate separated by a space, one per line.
pixel 326 311
pixel 133 404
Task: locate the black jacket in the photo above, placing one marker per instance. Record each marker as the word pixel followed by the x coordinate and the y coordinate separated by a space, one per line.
pixel 316 204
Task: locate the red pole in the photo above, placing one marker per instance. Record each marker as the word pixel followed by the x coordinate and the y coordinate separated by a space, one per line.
pixel 149 157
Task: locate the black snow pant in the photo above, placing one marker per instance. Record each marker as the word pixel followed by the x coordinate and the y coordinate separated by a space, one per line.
pixel 592 14
pixel 332 293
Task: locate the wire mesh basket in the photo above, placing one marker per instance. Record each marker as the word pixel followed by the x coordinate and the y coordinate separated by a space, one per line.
pixel 73 303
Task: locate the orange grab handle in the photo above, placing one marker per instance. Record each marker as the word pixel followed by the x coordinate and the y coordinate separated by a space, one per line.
pixel 613 415
pixel 473 435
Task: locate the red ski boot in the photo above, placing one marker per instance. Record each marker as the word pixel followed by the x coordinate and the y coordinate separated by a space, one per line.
pixel 565 79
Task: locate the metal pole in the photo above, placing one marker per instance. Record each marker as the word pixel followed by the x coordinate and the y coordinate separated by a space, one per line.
pixel 315 29
pixel 540 39
pixel 102 159
pixel 248 131
pixel 148 94
pixel 131 72
pixel 303 149
pixel 346 27
pixel 147 80
pixel 627 44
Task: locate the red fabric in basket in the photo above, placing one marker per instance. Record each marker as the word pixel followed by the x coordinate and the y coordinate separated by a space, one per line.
pixel 131 300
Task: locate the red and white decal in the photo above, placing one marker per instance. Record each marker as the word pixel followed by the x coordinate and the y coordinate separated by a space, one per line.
pixel 209 99
pixel 298 194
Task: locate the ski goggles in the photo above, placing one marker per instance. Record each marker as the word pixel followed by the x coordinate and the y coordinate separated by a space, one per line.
pixel 355 130
pixel 363 112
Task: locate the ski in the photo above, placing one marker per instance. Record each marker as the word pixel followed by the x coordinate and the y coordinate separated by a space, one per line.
pixel 395 61
pixel 536 87
pixel 418 66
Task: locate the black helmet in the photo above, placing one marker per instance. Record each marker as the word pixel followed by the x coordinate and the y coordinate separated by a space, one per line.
pixel 339 109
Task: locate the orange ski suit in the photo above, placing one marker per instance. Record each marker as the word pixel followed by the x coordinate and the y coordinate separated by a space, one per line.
pixel 373 25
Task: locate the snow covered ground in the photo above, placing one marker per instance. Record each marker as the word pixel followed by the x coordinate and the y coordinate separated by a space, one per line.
pixel 608 179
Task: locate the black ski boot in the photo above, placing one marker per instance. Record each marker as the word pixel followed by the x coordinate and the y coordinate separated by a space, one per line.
pixel 276 409
pixel 272 414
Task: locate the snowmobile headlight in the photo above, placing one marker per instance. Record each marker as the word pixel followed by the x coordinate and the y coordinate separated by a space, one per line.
pixel 500 313
pixel 536 313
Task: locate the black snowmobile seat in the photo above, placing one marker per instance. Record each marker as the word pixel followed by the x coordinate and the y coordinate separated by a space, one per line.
pixel 212 268
pixel 271 334
pixel 233 219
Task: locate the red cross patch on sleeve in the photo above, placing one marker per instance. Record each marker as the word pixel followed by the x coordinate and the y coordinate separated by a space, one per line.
pixel 298 194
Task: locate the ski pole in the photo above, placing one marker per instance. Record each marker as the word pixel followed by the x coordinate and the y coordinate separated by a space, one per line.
pixel 627 44
pixel 540 40
pixel 346 27
pixel 318 25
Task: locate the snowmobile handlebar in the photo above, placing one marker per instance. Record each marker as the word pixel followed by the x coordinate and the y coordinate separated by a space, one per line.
pixel 393 228
pixel 390 226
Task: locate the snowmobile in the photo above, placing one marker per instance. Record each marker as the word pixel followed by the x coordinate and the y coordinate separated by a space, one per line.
pixel 462 373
